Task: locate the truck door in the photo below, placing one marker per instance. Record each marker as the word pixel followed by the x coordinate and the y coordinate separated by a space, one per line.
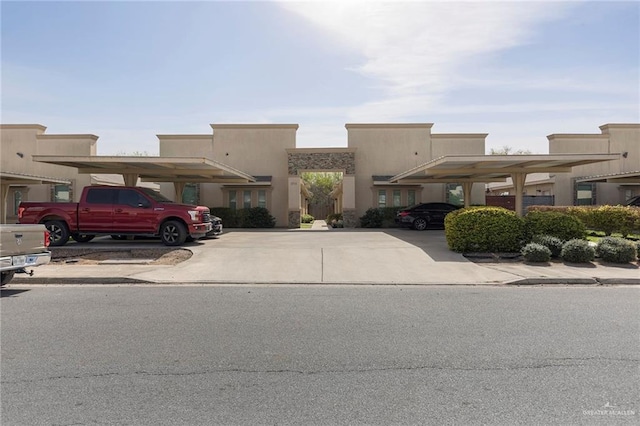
pixel 95 213
pixel 133 213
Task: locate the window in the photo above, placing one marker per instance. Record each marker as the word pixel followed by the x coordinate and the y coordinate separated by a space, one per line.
pixel 585 194
pixel 411 197
pixel 61 193
pixel 17 199
pixel 246 200
pixel 131 198
pixel 396 198
pixel 382 198
pixel 455 194
pixel 233 200
pixel 100 196
pixel 190 194
pixel 262 198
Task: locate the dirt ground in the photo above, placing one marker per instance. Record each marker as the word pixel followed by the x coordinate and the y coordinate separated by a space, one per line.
pixel 159 256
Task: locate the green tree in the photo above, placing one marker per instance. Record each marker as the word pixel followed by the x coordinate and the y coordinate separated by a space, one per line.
pixel 321 184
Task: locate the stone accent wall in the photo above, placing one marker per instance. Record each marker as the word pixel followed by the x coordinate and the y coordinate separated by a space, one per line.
pixel 322 161
pixel 294 219
pixel 349 218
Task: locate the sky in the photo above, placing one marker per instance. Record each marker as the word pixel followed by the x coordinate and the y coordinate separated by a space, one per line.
pixel 127 71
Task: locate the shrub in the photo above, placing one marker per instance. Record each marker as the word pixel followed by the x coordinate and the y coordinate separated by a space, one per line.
pixel 560 225
pixel 554 244
pixel 578 251
pixel 257 217
pixel 307 218
pixel 484 229
pixel 381 217
pixel 534 252
pixel 616 250
pixel 230 217
pixel 335 220
pixel 609 219
pixel 372 218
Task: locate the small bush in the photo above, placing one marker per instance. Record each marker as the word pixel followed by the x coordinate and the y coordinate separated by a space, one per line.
pixel 554 244
pixel 616 250
pixel 484 229
pixel 257 217
pixel 335 220
pixel 534 252
pixel 560 225
pixel 578 251
pixel 372 218
pixel 307 218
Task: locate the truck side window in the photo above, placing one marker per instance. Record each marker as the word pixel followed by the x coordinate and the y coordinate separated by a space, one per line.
pixel 131 198
pixel 99 196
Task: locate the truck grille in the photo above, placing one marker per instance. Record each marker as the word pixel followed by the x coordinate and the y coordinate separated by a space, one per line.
pixel 206 217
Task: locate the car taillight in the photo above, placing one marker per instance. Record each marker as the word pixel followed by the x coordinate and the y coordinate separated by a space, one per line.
pixel 20 211
pixel 403 214
pixel 47 236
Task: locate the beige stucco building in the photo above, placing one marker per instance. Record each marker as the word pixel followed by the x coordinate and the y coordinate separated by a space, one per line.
pixel 611 182
pixel 269 154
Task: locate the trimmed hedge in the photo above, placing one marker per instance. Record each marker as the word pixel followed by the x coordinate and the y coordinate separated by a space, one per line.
pixel 254 217
pixel 608 219
pixel 556 224
pixel 307 218
pixel 484 229
pixel 381 217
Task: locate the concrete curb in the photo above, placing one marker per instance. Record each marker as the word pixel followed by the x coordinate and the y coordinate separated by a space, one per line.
pixel 133 281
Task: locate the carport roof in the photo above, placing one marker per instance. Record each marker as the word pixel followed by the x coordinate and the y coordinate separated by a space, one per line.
pixel 495 168
pixel 11 178
pixel 153 169
pixel 624 177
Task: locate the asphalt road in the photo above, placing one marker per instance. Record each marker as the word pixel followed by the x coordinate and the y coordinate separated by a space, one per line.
pixel 320 355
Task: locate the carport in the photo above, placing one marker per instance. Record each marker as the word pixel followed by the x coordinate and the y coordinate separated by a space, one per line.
pixel 629 178
pixel 179 170
pixel 469 169
pixel 8 179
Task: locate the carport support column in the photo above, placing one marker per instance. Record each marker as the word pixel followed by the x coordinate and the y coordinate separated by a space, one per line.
pixel 349 217
pixel 4 195
pixel 466 191
pixel 130 179
pixel 178 187
pixel 295 202
pixel 518 184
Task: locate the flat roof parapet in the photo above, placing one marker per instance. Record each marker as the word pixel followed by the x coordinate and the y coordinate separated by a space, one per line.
pixel 254 126
pixel 388 125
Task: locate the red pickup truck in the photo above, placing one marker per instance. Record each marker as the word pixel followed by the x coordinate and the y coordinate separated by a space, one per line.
pixel 117 210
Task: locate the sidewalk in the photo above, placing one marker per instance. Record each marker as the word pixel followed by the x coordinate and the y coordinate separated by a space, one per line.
pixel 392 257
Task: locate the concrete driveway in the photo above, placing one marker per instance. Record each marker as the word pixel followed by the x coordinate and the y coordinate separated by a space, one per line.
pixel 394 256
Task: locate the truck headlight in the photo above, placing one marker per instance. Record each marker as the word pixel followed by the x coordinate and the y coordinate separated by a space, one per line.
pixel 194 215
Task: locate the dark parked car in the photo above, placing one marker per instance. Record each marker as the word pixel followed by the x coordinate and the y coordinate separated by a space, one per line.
pixel 216 228
pixel 425 215
pixel 635 201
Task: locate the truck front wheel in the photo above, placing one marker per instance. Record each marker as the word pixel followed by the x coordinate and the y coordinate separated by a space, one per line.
pixel 58 232
pixel 6 277
pixel 173 233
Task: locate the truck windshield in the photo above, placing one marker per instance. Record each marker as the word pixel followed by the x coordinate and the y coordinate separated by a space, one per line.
pixel 155 196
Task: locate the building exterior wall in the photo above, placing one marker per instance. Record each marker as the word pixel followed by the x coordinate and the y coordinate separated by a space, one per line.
pixel 20 142
pixel 614 138
pixel 267 150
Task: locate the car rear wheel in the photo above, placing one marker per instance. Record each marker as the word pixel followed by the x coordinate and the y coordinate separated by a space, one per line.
pixel 420 224
pixel 58 232
pixel 173 233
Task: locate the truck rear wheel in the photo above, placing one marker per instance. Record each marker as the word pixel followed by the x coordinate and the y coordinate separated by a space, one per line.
pixel 173 233
pixel 58 232
pixel 6 277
